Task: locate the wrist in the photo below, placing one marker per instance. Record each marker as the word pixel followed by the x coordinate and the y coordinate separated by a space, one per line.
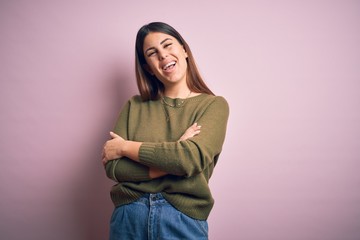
pixel 130 149
pixel 122 149
pixel 155 173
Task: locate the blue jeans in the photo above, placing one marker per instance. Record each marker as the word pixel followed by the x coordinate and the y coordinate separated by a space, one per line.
pixel 152 217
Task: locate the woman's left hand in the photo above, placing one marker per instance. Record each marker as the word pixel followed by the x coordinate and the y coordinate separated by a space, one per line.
pixel 192 131
pixel 112 148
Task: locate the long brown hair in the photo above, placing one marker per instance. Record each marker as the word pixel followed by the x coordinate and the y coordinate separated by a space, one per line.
pixel 149 86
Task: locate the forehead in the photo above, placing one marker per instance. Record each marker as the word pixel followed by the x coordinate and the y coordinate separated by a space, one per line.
pixel 155 38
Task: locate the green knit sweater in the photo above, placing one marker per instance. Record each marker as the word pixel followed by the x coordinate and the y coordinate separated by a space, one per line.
pixel 189 163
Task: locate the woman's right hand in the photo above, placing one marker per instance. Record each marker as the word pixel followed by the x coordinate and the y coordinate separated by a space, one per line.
pixel 192 131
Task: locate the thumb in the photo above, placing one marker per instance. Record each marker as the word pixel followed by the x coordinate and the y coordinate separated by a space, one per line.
pixel 114 135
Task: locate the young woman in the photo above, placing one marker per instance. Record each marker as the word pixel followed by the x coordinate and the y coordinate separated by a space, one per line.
pixel 158 157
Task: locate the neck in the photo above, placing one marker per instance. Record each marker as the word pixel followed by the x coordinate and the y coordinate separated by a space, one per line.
pixel 177 93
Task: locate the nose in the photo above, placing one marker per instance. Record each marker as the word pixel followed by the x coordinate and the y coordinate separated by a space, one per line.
pixel 162 55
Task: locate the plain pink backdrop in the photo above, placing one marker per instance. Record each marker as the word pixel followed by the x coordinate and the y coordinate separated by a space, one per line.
pixel 289 70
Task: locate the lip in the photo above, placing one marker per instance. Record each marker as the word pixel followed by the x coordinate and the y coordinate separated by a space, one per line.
pixel 166 63
pixel 171 69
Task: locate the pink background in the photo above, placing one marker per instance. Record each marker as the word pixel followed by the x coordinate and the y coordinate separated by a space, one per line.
pixel 289 70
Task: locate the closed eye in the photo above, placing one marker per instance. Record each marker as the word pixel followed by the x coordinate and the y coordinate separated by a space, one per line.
pixel 151 53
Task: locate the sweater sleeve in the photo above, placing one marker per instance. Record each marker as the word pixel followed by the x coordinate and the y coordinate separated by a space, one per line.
pixel 124 169
pixel 190 157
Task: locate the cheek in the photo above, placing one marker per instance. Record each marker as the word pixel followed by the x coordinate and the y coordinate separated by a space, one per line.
pixel 184 60
pixel 183 55
pixel 151 65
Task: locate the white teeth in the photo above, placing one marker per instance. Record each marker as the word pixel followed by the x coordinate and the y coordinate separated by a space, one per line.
pixel 168 65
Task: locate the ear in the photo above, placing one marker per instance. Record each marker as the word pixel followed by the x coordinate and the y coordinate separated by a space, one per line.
pixel 147 68
pixel 186 55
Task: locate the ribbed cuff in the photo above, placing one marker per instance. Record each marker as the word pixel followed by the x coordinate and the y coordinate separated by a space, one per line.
pixel 147 153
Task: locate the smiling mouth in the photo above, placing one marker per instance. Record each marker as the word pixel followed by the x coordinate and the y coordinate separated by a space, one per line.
pixel 169 65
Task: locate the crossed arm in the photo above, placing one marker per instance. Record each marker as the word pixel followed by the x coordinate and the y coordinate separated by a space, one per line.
pixel 118 147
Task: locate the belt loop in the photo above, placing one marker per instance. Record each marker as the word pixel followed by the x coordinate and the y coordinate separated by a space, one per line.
pixel 153 197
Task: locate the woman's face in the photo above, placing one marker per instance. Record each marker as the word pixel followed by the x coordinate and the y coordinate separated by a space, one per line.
pixel 166 58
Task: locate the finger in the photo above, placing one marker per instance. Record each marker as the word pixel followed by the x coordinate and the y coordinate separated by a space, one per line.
pixel 114 135
pixel 196 129
pixel 196 132
pixel 192 126
pixel 104 155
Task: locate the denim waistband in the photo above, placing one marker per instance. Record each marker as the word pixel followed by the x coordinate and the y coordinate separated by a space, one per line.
pixel 151 198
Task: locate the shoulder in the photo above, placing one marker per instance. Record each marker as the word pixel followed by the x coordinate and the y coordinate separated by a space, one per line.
pixel 131 102
pixel 135 99
pixel 221 104
pixel 221 100
pixel 136 102
pixel 216 100
pixel 212 104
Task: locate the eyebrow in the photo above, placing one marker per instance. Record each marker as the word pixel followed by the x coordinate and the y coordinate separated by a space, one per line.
pixel 162 42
